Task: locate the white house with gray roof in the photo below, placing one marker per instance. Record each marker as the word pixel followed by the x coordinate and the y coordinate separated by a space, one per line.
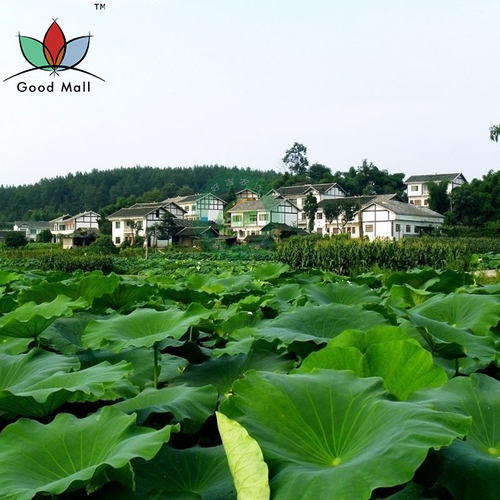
pixel 297 194
pixel 31 228
pixel 128 223
pixel 418 186
pixel 380 216
pixel 204 207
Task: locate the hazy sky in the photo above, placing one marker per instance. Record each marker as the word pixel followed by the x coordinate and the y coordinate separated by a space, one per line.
pixel 411 86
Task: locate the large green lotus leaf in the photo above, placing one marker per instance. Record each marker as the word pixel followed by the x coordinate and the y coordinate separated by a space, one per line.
pixel 7 277
pixel 184 403
pixel 445 281
pixel 90 286
pixel 51 458
pixel 37 398
pixel 191 474
pixel 127 296
pixel 453 342
pixel 317 324
pixel 141 328
pixel 221 372
pixel 342 293
pixel 470 469
pixel 406 296
pixel 221 286
pixel 65 334
pixel 246 463
pixel 269 271
pixel 478 313
pixel 412 491
pixel 333 435
pixel 30 319
pixel 363 340
pixel 283 298
pixel 404 365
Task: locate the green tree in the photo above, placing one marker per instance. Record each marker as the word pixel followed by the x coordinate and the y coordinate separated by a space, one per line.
pixel 15 239
pixel 295 159
pixel 310 209
pixel 348 209
pixel 185 191
pixel 44 236
pixel 494 132
pixel 439 200
pixel 319 173
pixel 332 212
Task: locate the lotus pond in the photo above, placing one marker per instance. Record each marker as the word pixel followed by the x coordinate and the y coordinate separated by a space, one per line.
pixel 251 383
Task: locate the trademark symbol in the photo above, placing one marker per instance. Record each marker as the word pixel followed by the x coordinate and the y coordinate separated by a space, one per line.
pixel 100 6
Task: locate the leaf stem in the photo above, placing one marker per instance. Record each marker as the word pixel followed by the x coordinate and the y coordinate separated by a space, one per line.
pixel 156 367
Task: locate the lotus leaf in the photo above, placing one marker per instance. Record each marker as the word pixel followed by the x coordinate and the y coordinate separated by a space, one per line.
pixel 246 463
pixel 470 469
pixel 342 293
pixel 333 435
pixel 184 403
pixel 317 324
pixel 69 451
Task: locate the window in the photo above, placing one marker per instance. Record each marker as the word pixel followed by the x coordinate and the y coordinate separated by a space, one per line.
pixel 319 215
pixel 157 213
pixel 186 208
pixel 236 218
pixel 418 203
pixel 353 231
pixel 193 208
pixel 412 202
pixel 117 240
pixel 262 217
pixel 303 216
pixel 414 187
pixel 398 228
pixel 426 202
pixel 408 229
pixel 252 218
pixel 369 228
pixel 32 231
pixel 117 224
pixel 319 230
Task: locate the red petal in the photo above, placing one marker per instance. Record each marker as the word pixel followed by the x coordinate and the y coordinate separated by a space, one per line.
pixel 54 41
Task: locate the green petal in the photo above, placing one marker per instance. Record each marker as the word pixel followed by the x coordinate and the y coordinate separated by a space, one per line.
pixel 33 51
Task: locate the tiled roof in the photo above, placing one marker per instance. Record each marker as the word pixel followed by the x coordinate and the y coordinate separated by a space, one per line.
pixel 432 177
pixel 303 188
pixel 194 223
pixel 32 223
pixel 134 211
pixel 359 200
pixel 266 203
pixel 400 208
pixel 196 231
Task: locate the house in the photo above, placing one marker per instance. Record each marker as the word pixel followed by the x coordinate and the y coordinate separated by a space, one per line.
pixel 390 218
pixel 31 228
pixel 65 225
pixel 128 223
pixel 381 216
pixel 249 217
pixel 417 186
pixel 246 194
pixel 340 224
pixel 206 207
pixel 191 232
pixel 297 195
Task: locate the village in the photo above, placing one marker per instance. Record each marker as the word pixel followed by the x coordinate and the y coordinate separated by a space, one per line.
pixel 280 213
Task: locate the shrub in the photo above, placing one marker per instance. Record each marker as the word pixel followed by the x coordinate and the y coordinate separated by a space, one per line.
pixel 15 239
pixel 69 261
pixel 44 236
pixel 104 245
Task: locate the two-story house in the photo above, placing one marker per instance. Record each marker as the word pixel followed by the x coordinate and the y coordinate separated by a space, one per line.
pixel 248 217
pixel 64 227
pixel 128 223
pixel 204 207
pixel 31 228
pixel 417 186
pixel 297 194
pixel 379 216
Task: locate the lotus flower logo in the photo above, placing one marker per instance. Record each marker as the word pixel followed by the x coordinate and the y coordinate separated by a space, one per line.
pixel 54 54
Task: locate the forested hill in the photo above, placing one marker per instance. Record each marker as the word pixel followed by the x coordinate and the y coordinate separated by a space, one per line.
pixel 99 189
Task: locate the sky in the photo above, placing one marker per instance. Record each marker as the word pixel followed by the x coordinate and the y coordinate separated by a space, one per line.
pixel 411 86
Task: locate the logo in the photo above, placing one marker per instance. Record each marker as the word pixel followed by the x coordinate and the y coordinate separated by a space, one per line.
pixel 54 54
